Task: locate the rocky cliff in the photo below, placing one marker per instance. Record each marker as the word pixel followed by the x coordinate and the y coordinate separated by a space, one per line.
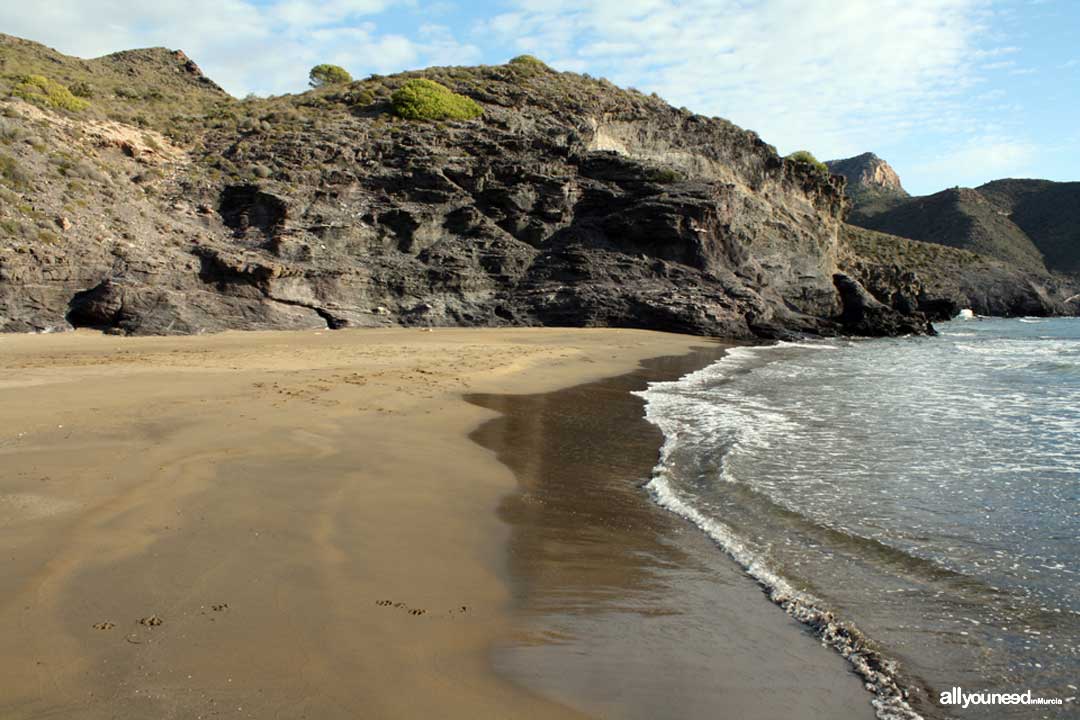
pixel 872 184
pixel 867 172
pixel 161 205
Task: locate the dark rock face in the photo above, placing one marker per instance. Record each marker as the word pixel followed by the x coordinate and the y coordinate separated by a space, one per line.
pixel 865 314
pixel 570 202
pixel 245 207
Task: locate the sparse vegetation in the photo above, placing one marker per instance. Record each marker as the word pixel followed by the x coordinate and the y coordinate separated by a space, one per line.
pixel 805 157
pixel 10 132
pixel 423 99
pixel 154 85
pixel 12 174
pixel 925 257
pixel 323 75
pixel 46 92
pixel 82 89
pixel 664 176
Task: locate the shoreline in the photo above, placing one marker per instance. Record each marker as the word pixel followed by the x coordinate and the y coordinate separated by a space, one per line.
pixel 623 608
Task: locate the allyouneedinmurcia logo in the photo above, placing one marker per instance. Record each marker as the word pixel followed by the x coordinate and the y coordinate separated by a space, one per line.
pixel 956 696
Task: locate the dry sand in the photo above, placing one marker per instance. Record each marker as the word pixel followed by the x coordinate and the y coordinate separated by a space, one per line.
pixel 297 525
pixel 302 511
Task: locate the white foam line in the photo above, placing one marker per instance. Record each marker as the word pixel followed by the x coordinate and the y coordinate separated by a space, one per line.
pixel 878 673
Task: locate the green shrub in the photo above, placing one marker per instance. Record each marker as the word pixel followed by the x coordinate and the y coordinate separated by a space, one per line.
pixel 805 157
pixel 528 64
pixel 422 99
pixel 324 74
pixel 82 89
pixel 40 90
pixel 10 228
pixel 663 176
pixel 363 98
pixel 528 60
pixel 12 174
pixel 10 132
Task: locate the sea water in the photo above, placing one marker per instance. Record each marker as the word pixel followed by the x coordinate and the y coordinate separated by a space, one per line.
pixel 913 500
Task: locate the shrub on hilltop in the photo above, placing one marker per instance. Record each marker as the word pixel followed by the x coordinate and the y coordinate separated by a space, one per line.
pixel 323 75
pixel 44 91
pixel 529 65
pixel 805 157
pixel 422 99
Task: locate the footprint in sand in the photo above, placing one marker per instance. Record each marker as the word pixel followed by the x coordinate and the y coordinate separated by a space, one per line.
pixel 220 607
pixel 151 621
pixel 401 606
pixel 104 625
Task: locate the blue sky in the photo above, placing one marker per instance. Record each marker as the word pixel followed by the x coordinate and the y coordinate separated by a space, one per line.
pixel 950 92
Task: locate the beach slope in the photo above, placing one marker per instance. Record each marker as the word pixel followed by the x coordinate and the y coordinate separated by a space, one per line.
pixel 302 512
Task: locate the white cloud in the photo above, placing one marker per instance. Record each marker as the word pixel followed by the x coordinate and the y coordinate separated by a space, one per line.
pixel 980 157
pixel 243 45
pixel 831 75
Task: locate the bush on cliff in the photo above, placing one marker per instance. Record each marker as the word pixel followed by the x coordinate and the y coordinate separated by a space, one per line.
pixel 323 75
pixel 528 65
pixel 422 99
pixel 805 157
pixel 41 90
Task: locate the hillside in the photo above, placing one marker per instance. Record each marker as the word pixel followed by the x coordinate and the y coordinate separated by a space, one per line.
pixel 559 199
pixel 1048 213
pixel 153 88
pixel 960 218
pixel 950 279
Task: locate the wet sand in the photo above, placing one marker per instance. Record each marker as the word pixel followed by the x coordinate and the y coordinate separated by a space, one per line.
pixel 290 525
pixel 623 609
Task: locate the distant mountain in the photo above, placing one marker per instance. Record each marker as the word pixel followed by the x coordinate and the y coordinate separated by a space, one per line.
pixel 1031 225
pixel 872 184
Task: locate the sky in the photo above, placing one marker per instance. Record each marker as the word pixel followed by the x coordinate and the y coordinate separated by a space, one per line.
pixel 949 92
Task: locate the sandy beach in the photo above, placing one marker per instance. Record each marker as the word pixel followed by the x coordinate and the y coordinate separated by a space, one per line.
pixel 294 525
